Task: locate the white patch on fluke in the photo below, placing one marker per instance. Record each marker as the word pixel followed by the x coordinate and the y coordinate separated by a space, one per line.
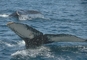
pixel 21 43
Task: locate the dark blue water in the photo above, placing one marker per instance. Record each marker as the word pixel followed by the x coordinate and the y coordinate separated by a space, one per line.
pixel 65 16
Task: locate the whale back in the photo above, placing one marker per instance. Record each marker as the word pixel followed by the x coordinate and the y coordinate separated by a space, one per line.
pixel 14 14
pixel 27 14
pixel 24 12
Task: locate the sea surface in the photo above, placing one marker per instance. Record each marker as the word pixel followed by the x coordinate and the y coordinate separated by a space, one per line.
pixel 64 17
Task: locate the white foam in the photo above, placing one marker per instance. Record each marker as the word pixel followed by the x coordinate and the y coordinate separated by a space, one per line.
pixel 84 49
pixel 42 51
pixel 23 52
pixel 4 15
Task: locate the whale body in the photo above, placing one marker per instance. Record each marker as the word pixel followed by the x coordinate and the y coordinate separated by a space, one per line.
pixel 34 38
pixel 27 14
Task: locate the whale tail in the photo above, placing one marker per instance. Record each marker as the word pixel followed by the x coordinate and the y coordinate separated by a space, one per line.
pixel 34 38
pixel 28 34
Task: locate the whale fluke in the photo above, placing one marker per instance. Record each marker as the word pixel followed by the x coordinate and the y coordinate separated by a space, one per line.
pixel 64 38
pixel 34 38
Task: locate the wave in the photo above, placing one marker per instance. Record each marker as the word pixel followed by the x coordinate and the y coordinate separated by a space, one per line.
pixel 51 52
pixel 68 46
pixel 43 52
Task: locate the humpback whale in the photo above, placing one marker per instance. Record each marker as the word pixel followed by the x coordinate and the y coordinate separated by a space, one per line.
pixel 34 38
pixel 27 14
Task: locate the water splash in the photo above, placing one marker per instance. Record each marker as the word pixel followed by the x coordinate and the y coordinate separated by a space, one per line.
pixel 41 51
pixel 18 43
pixel 4 15
pixel 21 43
pixel 6 44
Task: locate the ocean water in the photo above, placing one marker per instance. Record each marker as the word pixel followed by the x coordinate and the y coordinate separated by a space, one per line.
pixel 65 16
